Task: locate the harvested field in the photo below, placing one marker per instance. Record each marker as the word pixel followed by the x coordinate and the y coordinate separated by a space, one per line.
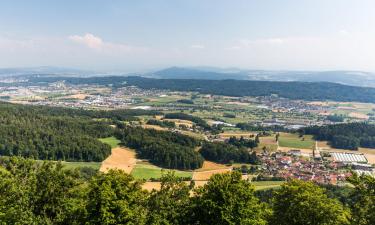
pixel 209 169
pixel 208 165
pixel 270 140
pixel 75 96
pixel 358 115
pixel 121 158
pixel 238 103
pixel 180 122
pixel 155 127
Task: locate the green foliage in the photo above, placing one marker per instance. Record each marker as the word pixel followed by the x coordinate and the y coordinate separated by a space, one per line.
pixel 228 200
pixel 225 153
pixel 242 142
pixel 115 198
pixel 335 118
pixel 185 101
pixel 299 202
pixel 171 204
pixel 34 193
pixel 45 193
pixel 36 133
pixel 163 148
pixel 111 141
pixel 162 123
pixel 347 136
pixel 182 116
pixel 363 207
pixel 252 127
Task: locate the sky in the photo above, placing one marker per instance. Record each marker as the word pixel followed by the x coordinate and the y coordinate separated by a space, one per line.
pixel 138 35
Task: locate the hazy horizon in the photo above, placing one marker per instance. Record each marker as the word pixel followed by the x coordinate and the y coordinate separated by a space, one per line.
pixel 143 35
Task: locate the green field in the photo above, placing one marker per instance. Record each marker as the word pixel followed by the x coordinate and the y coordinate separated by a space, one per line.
pixel 73 165
pixel 261 185
pixel 147 171
pixel 293 141
pixel 112 141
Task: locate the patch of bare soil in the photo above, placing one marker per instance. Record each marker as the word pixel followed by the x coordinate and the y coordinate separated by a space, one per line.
pixel 121 158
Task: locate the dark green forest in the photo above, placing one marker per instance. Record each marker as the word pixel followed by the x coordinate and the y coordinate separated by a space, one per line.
pixel 162 148
pixel 236 150
pixel 347 135
pixel 40 134
pixel 293 90
pixel 46 193
pixel 53 133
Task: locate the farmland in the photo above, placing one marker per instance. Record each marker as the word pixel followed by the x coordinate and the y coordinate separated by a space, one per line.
pixel 147 171
pixel 294 141
pixel 112 141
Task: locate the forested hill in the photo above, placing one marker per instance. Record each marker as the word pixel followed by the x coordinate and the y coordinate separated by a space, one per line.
pixel 319 91
pixel 292 90
pixel 52 133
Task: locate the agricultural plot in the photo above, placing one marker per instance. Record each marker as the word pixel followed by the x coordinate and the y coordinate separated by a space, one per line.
pixel 294 141
pixel 121 158
pixel 262 185
pixel 74 165
pixel 208 169
pixel 112 141
pixel 148 171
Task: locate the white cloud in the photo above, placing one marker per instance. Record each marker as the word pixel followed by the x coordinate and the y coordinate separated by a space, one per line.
pixel 94 42
pixel 89 40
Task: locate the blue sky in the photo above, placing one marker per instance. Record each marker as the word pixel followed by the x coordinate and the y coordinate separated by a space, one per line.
pixel 121 35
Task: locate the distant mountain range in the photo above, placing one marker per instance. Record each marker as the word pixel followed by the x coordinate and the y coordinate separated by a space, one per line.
pixel 356 78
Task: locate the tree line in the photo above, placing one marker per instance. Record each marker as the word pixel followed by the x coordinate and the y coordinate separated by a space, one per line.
pixel 183 116
pixel 346 136
pixel 162 123
pixel 35 193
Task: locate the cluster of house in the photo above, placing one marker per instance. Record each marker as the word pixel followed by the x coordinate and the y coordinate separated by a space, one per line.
pixel 294 164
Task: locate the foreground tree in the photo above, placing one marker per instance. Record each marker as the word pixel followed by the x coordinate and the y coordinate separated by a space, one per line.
pixel 227 200
pixel 115 198
pixel 304 203
pixel 363 209
pixel 38 193
pixel 169 205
